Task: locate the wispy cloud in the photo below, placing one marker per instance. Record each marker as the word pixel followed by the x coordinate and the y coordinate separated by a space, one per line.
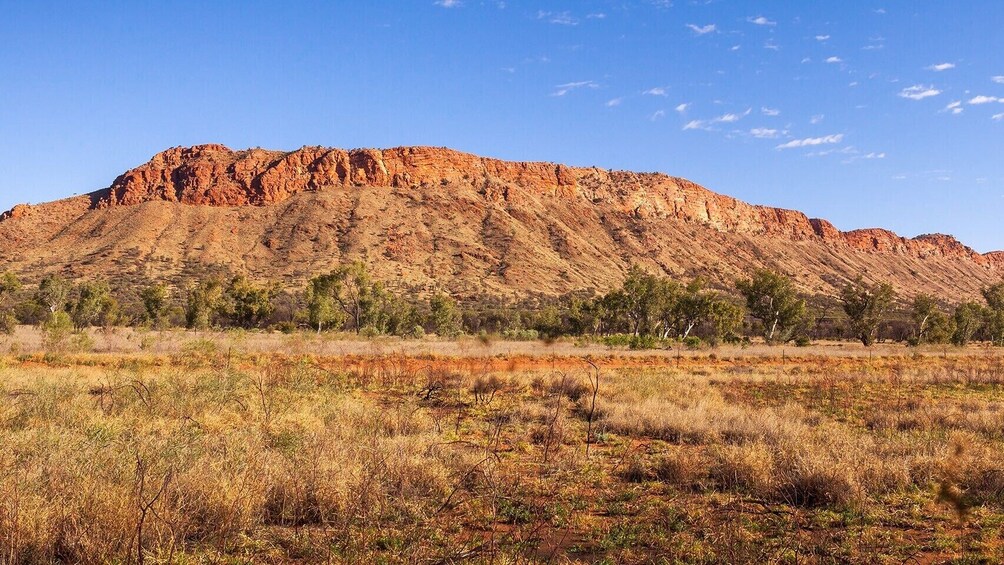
pixel 731 118
pixel 701 30
pixel 449 3
pixel 560 18
pixel 656 91
pixel 941 67
pixel 812 141
pixel 563 89
pixel 707 125
pixel 764 133
pixel 822 37
pixel 998 79
pixel 770 111
pixel 919 92
pixel 998 117
pixel 976 100
pixel 614 102
pixel 596 16
pixel 816 119
pixel 833 60
pixel 760 21
pixel 954 107
pixel 657 115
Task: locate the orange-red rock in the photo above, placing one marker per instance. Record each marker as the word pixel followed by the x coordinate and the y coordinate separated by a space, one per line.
pixel 217 176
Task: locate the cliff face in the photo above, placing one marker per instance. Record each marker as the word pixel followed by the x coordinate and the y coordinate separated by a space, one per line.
pixel 441 219
pixel 214 175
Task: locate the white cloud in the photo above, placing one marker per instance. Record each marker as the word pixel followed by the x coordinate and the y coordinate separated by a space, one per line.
pixel 596 16
pixel 701 30
pixel 448 3
pixel 761 21
pixel 735 48
pixel 816 119
pixel 998 79
pixel 832 60
pixel 919 92
pixel 657 91
pixel 764 133
pixel 563 89
pixel 561 18
pixel 683 107
pixel 812 141
pixel 614 102
pixel 770 111
pixel 822 37
pixel 874 156
pixel 731 118
pixel 941 67
pixel 984 99
pixel 695 124
pixel 771 45
pixel 658 115
pixel 998 117
pixel 954 107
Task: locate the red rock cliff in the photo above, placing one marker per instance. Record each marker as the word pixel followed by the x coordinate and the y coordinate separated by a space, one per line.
pixel 217 176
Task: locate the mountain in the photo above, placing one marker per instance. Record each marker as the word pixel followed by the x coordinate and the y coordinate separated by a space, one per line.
pixel 437 218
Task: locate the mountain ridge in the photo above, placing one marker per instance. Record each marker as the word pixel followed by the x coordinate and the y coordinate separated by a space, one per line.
pixel 212 176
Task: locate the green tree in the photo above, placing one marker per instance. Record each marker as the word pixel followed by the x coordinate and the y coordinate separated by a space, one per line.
pixel 248 305
pixel 866 306
pixel 444 315
pixel 9 287
pixel 52 293
pixel 693 306
pixel 322 309
pixel 155 298
pixel 994 313
pixel 205 300
pixel 726 318
pixel 771 299
pixel 358 295
pixel 93 305
pixel 968 319
pixel 647 303
pixel 925 315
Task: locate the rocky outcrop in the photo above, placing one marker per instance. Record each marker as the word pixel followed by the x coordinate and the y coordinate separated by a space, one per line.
pixel 214 175
pixel 19 211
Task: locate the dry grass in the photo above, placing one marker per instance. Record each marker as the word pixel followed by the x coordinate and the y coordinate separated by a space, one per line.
pixel 218 452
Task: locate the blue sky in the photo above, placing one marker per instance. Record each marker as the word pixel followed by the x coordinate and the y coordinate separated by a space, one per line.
pixel 868 114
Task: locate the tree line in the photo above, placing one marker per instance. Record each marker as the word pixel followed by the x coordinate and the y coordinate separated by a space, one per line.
pixel 645 310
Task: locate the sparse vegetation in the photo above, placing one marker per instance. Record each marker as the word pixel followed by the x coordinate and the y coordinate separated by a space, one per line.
pixel 215 453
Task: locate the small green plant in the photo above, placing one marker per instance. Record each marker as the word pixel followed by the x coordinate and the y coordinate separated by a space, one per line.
pixel 57 328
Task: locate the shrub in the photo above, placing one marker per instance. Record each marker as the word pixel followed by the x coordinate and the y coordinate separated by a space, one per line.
pixel 57 329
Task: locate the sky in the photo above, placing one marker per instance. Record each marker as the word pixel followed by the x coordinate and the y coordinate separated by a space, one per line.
pixel 867 113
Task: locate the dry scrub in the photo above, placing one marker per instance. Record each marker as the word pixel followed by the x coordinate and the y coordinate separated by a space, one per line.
pixel 214 455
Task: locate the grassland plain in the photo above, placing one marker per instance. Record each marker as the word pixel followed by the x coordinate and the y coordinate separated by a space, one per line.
pixel 234 448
